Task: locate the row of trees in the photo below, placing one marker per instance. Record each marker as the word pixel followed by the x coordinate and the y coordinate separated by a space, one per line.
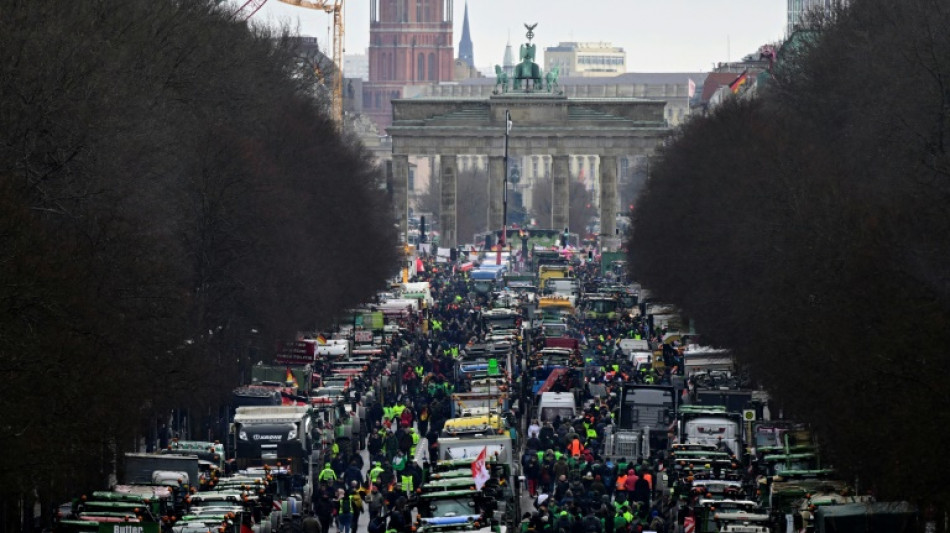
pixel 807 229
pixel 172 192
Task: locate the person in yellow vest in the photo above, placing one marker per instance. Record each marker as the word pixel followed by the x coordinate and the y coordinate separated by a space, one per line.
pixel 415 441
pixel 406 482
pixel 327 474
pixel 374 473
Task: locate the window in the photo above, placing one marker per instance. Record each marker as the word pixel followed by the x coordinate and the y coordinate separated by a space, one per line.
pixel 421 67
pixel 418 10
pixel 433 68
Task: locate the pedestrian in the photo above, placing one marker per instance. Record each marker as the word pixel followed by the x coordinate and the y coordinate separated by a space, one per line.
pixel 311 524
pixel 344 514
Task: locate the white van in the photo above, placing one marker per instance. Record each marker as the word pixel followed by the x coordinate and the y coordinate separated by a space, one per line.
pixel 556 404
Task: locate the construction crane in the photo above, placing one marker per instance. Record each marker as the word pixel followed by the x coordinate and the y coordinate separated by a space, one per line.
pixel 334 7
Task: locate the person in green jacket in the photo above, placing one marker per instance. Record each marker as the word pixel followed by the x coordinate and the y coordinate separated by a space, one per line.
pixel 327 474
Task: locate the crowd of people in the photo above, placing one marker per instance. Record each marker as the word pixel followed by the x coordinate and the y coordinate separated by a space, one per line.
pixel 408 397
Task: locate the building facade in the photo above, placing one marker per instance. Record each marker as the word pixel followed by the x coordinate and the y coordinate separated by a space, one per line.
pixel 798 9
pixel 586 59
pixel 356 66
pixel 410 44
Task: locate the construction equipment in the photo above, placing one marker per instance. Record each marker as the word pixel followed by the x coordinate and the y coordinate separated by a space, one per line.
pixel 335 7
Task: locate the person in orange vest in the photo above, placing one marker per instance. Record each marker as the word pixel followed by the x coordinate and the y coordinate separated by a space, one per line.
pixel 649 477
pixel 621 481
pixel 575 448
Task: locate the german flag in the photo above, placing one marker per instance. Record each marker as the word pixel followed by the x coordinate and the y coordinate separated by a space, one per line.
pixel 321 339
pixel 737 83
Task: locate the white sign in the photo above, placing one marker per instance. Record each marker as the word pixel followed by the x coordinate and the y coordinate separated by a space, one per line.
pixel 363 336
pixel 471 452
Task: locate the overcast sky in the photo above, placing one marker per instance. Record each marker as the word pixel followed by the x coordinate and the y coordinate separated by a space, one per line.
pixel 658 35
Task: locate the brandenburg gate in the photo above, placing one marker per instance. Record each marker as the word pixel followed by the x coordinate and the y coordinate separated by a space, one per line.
pixel 544 123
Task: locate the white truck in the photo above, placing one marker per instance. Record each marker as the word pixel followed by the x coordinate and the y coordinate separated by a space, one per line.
pixel 556 404
pixel 710 426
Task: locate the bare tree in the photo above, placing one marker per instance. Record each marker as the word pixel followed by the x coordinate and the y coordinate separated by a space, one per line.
pixel 804 230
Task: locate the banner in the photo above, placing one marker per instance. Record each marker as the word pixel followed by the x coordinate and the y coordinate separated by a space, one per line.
pixel 479 471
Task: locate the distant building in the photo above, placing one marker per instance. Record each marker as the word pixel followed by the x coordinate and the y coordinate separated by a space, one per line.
pixel 798 10
pixel 356 66
pixel 466 51
pixel 508 63
pixel 586 59
pixel 410 43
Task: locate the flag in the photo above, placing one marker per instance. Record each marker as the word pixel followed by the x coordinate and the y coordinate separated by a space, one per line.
pixel 734 86
pixel 508 123
pixel 321 339
pixel 479 470
pixel 291 378
pixel 692 87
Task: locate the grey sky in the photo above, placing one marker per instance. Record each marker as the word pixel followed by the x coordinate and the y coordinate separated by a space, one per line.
pixel 658 35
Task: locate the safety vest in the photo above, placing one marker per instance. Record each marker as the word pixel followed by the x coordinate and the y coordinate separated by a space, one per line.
pixel 621 479
pixel 406 483
pixel 415 438
pixel 342 509
pixel 591 433
pixel 628 516
pixel 575 447
pixel 327 474
pixel 419 371
pixel 398 409
pixel 374 473
pixel 649 478
pixel 335 449
pixel 455 352
pixel 388 412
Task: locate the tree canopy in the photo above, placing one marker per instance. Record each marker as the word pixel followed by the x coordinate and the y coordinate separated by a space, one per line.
pixel 807 230
pixel 172 191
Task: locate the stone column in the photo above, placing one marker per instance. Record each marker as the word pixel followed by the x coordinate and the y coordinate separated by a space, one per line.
pixel 608 201
pixel 496 192
pixel 448 220
pixel 401 193
pixel 560 191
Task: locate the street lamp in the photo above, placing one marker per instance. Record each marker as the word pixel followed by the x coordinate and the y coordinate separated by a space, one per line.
pixel 504 205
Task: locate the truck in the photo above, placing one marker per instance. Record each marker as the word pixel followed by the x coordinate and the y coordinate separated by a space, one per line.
pixel 154 469
pixel 867 517
pixel 648 411
pixel 553 405
pixel 709 425
pixel 500 461
pixel 699 359
pixel 265 435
